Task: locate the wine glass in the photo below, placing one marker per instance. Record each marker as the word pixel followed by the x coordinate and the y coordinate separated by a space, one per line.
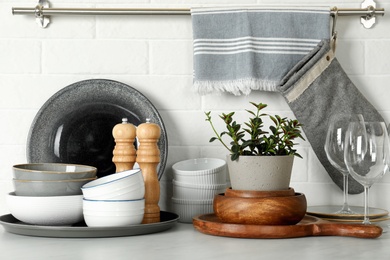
pixel 334 149
pixel 366 155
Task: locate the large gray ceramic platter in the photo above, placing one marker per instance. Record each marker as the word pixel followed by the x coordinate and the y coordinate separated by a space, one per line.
pixel 75 124
pixel 80 230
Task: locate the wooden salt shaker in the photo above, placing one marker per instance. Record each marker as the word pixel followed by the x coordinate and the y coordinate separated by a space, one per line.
pixel 148 157
pixel 124 151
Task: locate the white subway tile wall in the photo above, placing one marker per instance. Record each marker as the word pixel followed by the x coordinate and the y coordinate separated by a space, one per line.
pixel 154 55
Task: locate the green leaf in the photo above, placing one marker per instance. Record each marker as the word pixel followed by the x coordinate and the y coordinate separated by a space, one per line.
pixel 213 139
pixel 274 120
pixel 278 118
pixel 208 115
pixel 273 129
pixel 250 112
pixel 234 156
pixel 235 148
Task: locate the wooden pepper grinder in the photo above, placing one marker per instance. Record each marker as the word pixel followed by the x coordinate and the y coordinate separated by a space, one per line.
pixel 148 157
pixel 124 151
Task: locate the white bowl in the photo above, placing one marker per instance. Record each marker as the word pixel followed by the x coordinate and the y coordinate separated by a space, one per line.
pixel 46 211
pixel 134 192
pixel 126 185
pixel 113 220
pixel 108 213
pixel 114 205
pixel 187 209
pixel 49 188
pixel 196 192
pixel 112 213
pixel 201 171
pixel 52 171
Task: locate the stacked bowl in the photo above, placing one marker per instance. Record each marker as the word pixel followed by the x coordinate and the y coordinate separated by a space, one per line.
pixel 114 200
pixel 277 207
pixel 49 193
pixel 195 183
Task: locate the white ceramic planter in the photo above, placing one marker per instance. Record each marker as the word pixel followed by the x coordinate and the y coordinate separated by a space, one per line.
pixel 265 173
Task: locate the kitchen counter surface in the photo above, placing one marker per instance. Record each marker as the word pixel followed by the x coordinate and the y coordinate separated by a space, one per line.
pixel 184 242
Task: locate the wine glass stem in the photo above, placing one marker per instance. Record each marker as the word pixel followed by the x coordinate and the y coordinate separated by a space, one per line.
pixel 345 206
pixel 366 209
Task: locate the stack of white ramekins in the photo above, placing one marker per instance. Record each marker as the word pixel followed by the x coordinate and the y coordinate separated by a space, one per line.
pixel 195 183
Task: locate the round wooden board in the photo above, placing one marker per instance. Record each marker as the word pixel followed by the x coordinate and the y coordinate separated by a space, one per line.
pixel 309 226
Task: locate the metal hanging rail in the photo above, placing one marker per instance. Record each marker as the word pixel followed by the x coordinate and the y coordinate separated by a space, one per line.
pixel 42 11
pixel 102 11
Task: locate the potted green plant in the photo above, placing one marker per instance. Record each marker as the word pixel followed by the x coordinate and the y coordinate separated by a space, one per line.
pixel 259 159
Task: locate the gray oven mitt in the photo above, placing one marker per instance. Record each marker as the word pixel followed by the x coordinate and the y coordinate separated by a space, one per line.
pixel 316 88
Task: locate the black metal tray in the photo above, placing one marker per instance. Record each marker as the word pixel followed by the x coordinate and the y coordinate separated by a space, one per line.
pixel 80 230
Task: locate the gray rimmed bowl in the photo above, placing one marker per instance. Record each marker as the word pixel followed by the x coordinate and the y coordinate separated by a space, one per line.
pixel 52 172
pixel 49 188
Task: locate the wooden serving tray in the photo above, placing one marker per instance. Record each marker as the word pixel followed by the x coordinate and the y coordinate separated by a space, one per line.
pixel 309 226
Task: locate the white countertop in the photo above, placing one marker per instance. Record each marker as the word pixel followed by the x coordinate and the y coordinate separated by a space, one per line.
pixel 184 242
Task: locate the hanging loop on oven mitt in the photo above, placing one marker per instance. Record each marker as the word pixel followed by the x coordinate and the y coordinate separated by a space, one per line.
pixel 316 88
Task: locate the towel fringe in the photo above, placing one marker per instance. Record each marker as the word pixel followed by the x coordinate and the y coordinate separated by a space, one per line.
pixel 236 87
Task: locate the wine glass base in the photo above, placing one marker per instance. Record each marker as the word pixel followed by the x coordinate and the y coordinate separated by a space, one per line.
pixel 345 211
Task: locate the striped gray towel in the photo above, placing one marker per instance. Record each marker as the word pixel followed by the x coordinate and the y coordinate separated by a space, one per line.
pixel 242 49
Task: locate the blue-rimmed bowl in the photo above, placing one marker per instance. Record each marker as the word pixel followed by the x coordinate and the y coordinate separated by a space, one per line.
pixel 113 213
pixel 126 185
